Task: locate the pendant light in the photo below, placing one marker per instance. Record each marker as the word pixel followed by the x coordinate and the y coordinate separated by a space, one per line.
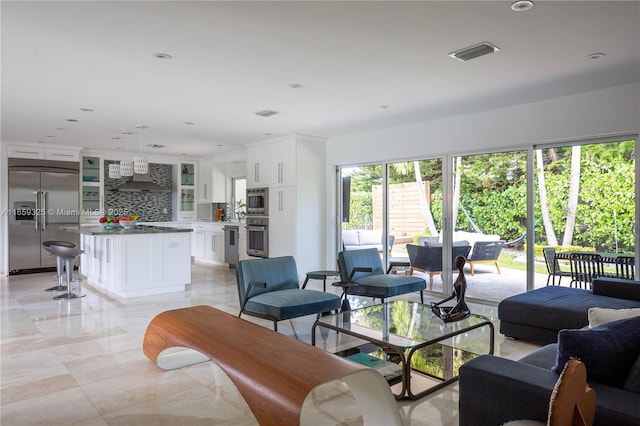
pixel 114 168
pixel 114 171
pixel 140 163
pixel 126 166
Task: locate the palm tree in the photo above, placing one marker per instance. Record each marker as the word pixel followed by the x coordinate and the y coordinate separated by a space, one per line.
pixel 574 191
pixel 544 203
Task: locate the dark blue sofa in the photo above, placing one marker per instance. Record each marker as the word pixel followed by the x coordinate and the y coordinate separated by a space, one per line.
pixel 495 390
pixel 538 315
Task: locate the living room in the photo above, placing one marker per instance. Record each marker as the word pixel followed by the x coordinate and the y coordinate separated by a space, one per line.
pixel 81 363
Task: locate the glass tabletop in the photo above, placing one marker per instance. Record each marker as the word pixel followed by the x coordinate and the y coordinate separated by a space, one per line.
pixel 401 323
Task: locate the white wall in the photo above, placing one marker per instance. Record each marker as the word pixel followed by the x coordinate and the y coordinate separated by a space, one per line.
pixel 606 112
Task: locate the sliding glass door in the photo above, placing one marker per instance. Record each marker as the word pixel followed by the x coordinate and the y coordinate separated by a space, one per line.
pixel 570 197
pixel 586 198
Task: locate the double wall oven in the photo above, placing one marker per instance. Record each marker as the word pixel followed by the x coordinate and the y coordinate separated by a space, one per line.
pixel 258 236
pixel 258 222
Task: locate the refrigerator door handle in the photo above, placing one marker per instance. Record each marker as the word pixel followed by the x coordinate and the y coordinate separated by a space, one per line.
pixel 44 209
pixel 36 213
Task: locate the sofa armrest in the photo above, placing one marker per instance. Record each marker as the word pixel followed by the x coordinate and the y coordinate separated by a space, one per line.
pixel 616 287
pixel 494 390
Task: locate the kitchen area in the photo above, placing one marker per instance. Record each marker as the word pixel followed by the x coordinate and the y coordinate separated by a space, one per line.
pixel 205 197
pixel 261 201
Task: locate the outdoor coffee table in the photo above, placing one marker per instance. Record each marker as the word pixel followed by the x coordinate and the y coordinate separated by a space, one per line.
pixel 407 333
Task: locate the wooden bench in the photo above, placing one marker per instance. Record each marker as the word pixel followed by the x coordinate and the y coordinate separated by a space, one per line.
pixel 273 373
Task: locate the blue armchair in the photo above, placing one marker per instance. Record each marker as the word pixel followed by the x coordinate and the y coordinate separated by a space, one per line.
pixel 269 289
pixel 364 268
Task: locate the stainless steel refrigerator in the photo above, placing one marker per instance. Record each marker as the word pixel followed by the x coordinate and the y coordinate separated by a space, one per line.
pixel 43 196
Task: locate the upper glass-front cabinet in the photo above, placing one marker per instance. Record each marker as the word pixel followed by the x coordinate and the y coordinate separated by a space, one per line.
pixel 90 169
pixel 187 174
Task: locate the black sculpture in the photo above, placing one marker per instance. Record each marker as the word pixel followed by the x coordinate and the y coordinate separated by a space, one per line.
pixel 460 310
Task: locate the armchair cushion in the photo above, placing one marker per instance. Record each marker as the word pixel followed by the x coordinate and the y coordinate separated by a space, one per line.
pixel 291 303
pixel 370 237
pixel 350 238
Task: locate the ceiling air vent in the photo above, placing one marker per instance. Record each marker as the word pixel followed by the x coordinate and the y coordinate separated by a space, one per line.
pixel 474 51
pixel 266 113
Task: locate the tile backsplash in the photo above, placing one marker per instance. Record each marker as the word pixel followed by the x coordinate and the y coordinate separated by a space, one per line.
pixel 150 206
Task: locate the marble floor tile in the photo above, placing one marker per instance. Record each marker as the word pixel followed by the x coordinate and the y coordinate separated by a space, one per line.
pixel 80 362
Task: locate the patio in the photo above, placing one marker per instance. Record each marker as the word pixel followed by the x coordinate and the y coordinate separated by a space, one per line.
pixel 489 285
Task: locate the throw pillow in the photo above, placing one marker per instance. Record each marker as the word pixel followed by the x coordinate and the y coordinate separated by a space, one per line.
pixel 608 351
pixel 599 316
pixel 632 383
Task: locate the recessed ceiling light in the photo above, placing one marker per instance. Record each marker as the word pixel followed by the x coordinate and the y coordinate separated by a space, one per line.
pixel 141 126
pixel 267 134
pixel 219 145
pixel 60 128
pixel 162 56
pixel 72 120
pixel 42 142
pixel 521 5
pixel 596 55
pixel 115 138
pixel 384 106
pixel 86 109
pixel 189 123
pixel 296 86
pixel 155 145
pixel 266 113
pixel 126 132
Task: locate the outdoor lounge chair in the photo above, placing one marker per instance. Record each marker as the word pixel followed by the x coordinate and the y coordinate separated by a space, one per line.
pixel 269 289
pixel 364 268
pixel 428 259
pixel 485 252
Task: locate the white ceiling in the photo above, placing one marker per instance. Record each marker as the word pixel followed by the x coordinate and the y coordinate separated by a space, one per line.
pixel 232 59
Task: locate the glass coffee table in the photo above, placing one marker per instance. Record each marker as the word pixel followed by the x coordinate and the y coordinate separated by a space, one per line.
pixel 407 343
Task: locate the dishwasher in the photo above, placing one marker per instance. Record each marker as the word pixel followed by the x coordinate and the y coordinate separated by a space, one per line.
pixel 231 242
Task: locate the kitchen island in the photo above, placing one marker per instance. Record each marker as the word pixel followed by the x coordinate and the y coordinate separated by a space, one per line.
pixel 140 261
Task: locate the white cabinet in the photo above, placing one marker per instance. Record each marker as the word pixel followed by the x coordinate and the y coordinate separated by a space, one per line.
pixel 297 222
pixel 208 243
pixel 133 265
pixel 204 181
pixel 40 153
pixel 282 163
pixel 273 164
pixel 187 192
pixel 214 246
pixel 61 155
pixel 108 264
pixel 197 242
pixel 218 186
pixel 91 189
pixel 282 217
pixel 258 166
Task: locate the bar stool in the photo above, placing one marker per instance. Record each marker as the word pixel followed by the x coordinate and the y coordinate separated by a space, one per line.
pixel 68 256
pixel 59 262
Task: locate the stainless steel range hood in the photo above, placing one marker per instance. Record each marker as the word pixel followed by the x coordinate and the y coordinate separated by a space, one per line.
pixel 141 183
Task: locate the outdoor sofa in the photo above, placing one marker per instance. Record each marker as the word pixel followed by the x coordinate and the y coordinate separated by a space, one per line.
pixel 359 239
